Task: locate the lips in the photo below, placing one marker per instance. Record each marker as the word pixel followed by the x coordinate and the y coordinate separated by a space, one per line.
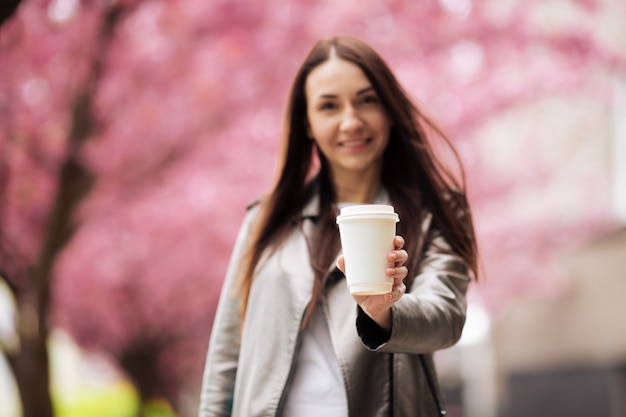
pixel 355 143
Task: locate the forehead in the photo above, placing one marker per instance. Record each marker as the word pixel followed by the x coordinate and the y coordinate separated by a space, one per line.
pixel 335 76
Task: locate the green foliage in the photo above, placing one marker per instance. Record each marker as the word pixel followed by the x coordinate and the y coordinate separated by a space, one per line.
pixel 118 400
pixel 158 408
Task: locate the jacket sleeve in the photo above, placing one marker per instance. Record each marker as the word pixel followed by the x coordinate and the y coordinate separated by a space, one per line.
pixel 431 314
pixel 218 383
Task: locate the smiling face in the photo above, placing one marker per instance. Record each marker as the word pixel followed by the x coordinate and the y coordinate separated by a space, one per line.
pixel 347 120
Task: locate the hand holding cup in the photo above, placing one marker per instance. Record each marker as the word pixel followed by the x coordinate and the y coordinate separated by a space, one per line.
pixel 373 259
pixel 378 306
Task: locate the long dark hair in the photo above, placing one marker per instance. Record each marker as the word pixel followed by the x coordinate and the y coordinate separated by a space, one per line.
pixel 415 179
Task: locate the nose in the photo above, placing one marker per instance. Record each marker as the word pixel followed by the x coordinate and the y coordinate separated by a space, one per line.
pixel 351 120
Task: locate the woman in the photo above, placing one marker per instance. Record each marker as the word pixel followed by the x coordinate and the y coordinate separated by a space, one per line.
pixel 288 338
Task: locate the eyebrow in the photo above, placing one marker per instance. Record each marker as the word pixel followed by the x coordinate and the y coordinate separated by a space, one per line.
pixel 358 93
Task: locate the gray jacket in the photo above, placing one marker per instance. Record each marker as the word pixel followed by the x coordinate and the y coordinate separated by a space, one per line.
pixel 248 368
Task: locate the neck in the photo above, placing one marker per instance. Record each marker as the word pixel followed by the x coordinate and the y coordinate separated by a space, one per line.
pixel 357 188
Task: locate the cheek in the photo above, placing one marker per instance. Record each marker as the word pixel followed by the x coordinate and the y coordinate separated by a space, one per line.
pixel 382 121
pixel 322 145
pixel 320 130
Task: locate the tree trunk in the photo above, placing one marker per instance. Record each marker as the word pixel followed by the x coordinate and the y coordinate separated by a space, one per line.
pixel 7 9
pixel 30 362
pixel 141 364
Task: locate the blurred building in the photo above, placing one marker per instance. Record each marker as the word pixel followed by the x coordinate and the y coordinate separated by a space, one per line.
pixel 567 356
pixel 560 354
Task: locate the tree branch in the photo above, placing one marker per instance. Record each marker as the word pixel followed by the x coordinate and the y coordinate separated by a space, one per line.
pixel 7 9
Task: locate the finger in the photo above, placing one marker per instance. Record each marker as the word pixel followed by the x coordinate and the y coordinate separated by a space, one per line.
pixel 400 272
pixel 400 289
pixel 396 293
pixel 398 257
pixel 341 264
pixel 403 256
pixel 399 282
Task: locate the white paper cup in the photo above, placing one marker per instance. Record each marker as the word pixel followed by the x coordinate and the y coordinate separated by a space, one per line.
pixel 367 232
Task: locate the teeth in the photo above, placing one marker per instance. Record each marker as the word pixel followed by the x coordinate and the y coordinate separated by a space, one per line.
pixel 355 143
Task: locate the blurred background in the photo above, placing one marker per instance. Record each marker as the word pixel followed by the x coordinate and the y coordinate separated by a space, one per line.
pixel 134 133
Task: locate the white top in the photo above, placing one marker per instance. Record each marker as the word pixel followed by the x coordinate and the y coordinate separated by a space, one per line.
pixel 317 387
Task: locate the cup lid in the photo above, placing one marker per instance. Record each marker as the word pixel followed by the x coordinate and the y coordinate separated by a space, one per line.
pixel 367 210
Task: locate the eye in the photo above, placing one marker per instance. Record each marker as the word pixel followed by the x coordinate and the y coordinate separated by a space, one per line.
pixel 370 99
pixel 327 105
